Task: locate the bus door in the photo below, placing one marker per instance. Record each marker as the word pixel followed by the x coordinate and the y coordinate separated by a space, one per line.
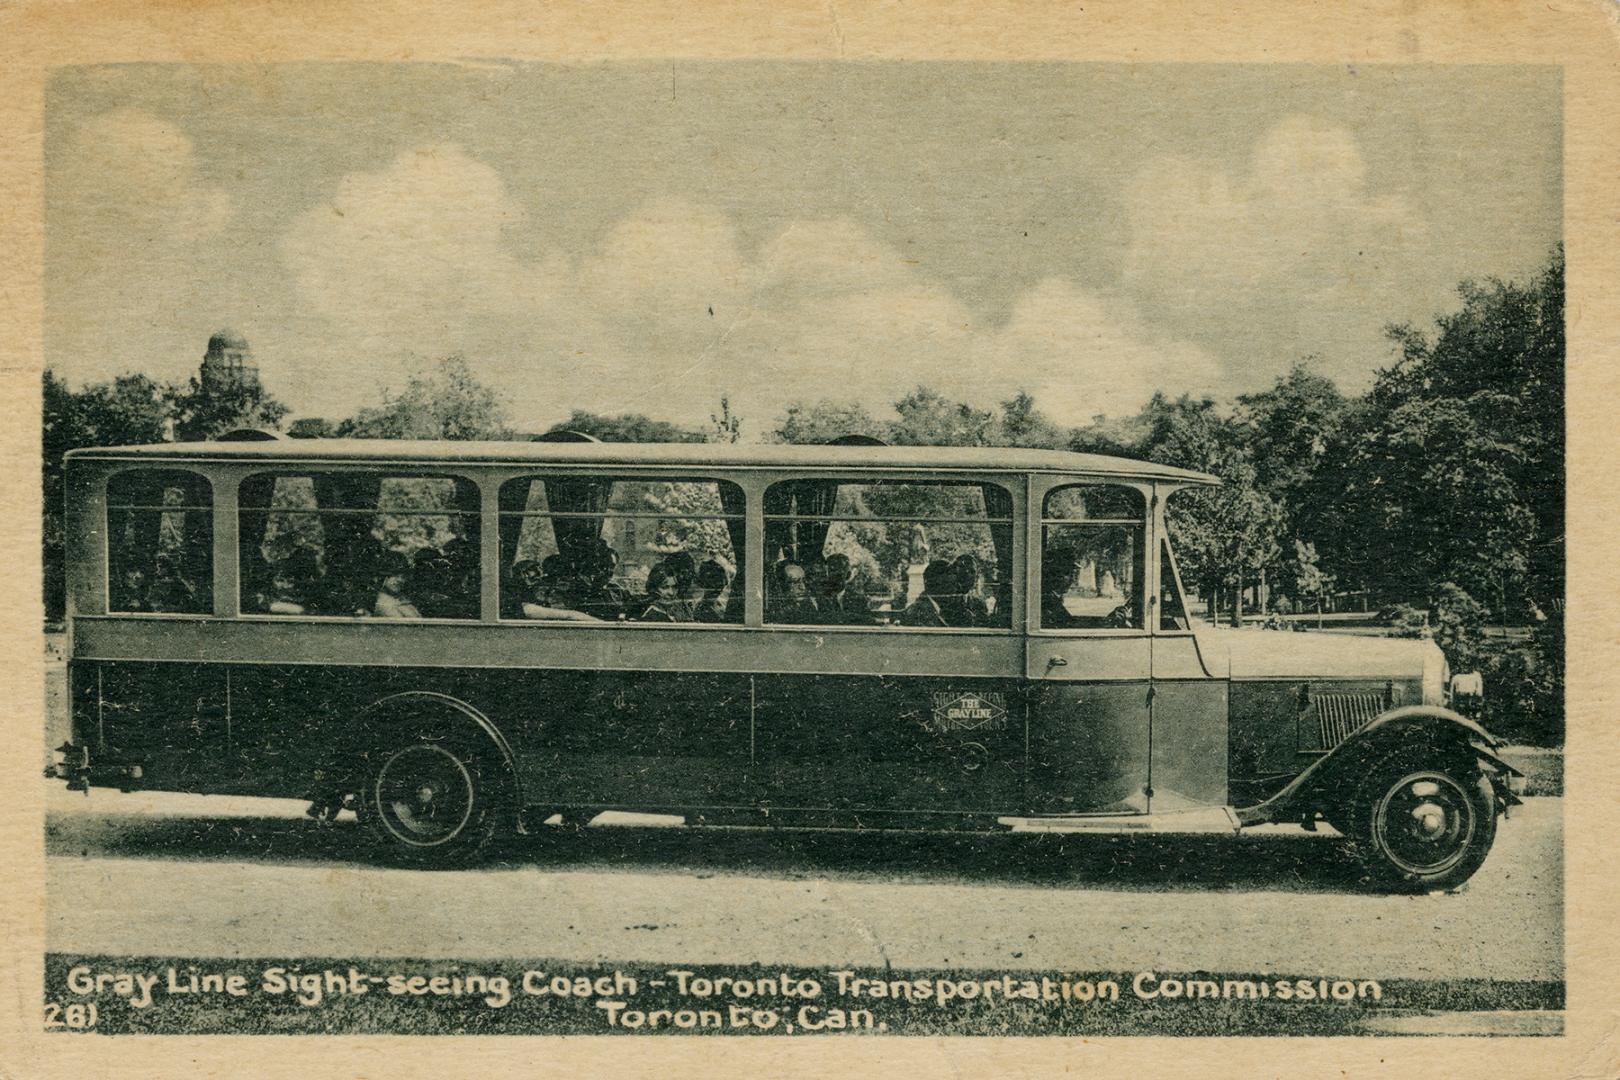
pixel 1189 703
pixel 1089 724
pixel 1089 655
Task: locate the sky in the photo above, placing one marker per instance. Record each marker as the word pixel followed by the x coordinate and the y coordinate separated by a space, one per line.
pixel 643 237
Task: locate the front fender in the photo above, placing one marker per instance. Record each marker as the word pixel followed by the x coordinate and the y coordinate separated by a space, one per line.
pixel 1432 725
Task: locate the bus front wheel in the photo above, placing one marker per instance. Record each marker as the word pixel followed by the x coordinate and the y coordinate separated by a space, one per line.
pixel 1421 825
pixel 431 800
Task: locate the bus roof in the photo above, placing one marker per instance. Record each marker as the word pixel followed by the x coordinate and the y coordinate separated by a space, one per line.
pixel 425 451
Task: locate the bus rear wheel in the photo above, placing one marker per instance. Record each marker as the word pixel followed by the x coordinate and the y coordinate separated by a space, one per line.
pixel 431 801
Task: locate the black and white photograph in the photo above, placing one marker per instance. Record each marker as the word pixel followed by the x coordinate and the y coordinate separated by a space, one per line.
pixel 804 549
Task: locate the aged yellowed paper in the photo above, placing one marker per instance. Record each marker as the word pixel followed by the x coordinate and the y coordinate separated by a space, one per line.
pixel 764 539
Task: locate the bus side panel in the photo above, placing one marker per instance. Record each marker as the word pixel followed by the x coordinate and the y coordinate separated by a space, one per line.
pixel 578 737
pixel 609 738
pixel 1189 744
pixel 168 719
pixel 892 743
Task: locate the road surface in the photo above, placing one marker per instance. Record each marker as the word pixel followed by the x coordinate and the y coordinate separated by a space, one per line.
pixel 175 875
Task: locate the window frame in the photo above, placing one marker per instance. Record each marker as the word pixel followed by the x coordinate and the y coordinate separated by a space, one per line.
pixel 299 470
pixel 1040 492
pixel 108 480
pixel 496 482
pixel 1012 488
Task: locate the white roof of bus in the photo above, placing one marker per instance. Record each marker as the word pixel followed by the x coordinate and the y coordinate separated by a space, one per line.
pixel 944 458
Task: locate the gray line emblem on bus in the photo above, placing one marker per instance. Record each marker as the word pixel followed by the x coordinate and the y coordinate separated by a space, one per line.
pixel 967 712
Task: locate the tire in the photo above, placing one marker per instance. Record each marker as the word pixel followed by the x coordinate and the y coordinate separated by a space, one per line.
pixel 431 800
pixel 1423 825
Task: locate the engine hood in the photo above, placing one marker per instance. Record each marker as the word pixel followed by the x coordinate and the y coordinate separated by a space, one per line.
pixel 1283 654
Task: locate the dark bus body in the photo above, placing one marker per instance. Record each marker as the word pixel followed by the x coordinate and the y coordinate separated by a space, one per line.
pixel 442 730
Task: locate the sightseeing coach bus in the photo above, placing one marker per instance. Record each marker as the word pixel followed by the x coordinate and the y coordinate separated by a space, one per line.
pixel 454 639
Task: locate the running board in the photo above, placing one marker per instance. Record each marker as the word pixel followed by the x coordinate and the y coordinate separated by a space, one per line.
pixel 1205 819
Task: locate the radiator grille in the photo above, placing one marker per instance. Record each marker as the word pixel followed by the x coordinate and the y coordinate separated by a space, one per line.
pixel 1341 714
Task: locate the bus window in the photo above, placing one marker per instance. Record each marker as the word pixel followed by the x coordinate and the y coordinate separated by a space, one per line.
pixel 160 542
pixel 359 545
pixel 607 549
pixel 1091 558
pixel 890 552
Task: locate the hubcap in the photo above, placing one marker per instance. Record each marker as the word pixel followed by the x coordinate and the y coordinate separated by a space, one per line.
pixel 424 795
pixel 1424 823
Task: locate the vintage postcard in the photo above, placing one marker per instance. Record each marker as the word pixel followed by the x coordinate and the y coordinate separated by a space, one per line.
pixel 763 540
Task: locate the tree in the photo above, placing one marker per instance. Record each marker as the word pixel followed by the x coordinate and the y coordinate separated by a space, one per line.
pixel 129 410
pixel 1224 537
pixel 448 403
pixel 1452 468
pixel 1308 577
pixel 1290 428
pixel 1021 423
pixel 206 412
pixel 825 421
pixel 628 427
pixel 928 418
pixel 1426 495
pixel 312 427
pixel 725 426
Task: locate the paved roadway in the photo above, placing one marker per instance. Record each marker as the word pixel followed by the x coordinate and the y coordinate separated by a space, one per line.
pixel 160 874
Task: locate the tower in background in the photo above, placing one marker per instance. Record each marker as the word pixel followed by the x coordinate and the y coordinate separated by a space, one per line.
pixel 228 363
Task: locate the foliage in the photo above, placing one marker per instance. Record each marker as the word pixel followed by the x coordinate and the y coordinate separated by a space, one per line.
pixel 129 410
pixel 1289 430
pixel 202 412
pixel 1452 468
pixel 725 426
pixel 1224 536
pixel 312 427
pixel 627 427
pixel 825 421
pixel 448 403
pixel 1454 620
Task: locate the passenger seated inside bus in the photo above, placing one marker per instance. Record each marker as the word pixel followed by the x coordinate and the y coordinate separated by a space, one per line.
pixel 684 566
pixel 938 604
pixel 556 595
pixel 1059 566
pixel 601 596
pixel 169 590
pixel 449 579
pixel 131 592
pixel 664 600
pixel 973 607
pixel 284 598
pixel 1061 572
pixel 713 603
pixel 293 581
pixel 836 602
pixel 393 582
pixel 790 600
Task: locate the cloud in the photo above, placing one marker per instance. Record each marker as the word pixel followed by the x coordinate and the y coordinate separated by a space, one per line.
pixel 1082 354
pixel 669 309
pixel 130 177
pixel 132 225
pixel 413 249
pixel 1214 252
pixel 671 272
